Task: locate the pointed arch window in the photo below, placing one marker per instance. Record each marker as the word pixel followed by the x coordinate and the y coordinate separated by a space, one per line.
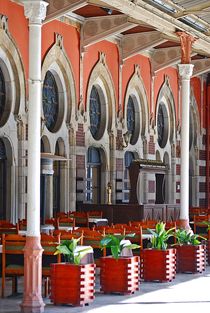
pixel 130 115
pixel 2 94
pixel 162 125
pixel 50 101
pixel 95 112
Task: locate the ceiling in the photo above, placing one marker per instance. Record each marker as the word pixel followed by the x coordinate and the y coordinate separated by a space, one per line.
pixel 141 26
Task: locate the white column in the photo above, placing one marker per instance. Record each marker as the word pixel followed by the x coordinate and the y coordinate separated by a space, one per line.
pixel 35 11
pixel 185 71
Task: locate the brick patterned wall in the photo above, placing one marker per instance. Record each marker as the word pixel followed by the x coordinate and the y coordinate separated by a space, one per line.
pixel 151 145
pixel 151 185
pixel 80 136
pixel 119 164
pixel 202 187
pixel 119 140
pixel 178 169
pixel 80 161
pixel 202 171
pixel 202 155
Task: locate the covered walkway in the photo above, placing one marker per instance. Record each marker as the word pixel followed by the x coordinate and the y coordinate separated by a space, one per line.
pixel 187 293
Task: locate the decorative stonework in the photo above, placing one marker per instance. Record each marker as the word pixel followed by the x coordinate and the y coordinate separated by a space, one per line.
pixel 4 23
pixel 185 70
pixel 35 11
pixel 59 40
pixel 186 47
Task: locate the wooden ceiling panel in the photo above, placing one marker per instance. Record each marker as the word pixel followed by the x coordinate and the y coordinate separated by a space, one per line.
pixel 92 11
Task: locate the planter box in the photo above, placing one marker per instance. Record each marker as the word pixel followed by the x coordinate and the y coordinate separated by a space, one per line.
pixel 119 276
pixel 72 284
pixel 158 265
pixel 191 259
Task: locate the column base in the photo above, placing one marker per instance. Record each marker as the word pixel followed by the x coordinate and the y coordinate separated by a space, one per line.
pixel 184 224
pixel 32 299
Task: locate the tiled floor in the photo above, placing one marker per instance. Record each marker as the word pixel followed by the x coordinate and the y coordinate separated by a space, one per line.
pixel 187 293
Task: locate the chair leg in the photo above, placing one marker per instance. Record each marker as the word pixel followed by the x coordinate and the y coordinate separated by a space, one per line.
pixel 14 284
pixel 46 287
pixel 2 285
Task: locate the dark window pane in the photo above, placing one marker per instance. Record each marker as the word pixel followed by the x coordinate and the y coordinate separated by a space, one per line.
pixel 50 100
pixel 130 115
pixel 95 112
pixel 2 94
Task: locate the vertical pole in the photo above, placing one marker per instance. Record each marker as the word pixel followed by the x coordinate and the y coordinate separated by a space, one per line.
pixel 185 71
pixel 35 11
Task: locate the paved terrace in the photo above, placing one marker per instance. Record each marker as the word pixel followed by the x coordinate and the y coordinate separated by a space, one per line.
pixel 187 293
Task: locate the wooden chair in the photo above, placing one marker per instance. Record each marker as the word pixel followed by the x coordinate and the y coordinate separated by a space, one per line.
pixel 93 238
pixel 95 214
pixel 66 222
pixel 66 235
pixel 199 225
pixel 81 218
pixel 22 224
pixel 12 259
pixel 8 228
pixel 49 244
pixel 114 231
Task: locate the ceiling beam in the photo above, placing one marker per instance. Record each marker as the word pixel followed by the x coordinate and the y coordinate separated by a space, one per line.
pixel 160 20
pixel 56 9
pixel 201 66
pixel 135 43
pixel 165 57
pixel 99 28
pixel 198 9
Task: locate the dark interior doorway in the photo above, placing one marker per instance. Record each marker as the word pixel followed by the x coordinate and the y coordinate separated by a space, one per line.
pixel 160 188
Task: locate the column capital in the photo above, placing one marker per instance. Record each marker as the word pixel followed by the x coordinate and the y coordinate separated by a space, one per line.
pixel 185 70
pixel 35 10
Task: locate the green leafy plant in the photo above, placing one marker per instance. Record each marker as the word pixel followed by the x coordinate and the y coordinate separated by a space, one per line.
pixel 160 236
pixel 68 248
pixel 114 242
pixel 186 237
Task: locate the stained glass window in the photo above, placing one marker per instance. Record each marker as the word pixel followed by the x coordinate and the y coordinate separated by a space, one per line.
pixel 95 112
pixel 162 125
pixel 2 94
pixel 2 150
pixel 50 100
pixel 130 115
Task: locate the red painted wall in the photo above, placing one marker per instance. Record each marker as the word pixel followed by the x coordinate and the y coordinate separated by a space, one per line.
pixel 91 57
pixel 70 42
pixel 18 28
pixel 173 81
pixel 128 71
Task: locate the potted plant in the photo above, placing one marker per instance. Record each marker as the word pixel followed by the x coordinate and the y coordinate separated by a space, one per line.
pixel 191 255
pixel 72 282
pixel 119 273
pixel 158 262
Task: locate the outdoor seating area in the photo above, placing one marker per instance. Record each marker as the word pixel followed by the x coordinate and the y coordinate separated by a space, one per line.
pixel 138 233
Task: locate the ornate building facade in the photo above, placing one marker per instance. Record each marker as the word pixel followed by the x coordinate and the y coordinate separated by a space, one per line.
pixel 111 93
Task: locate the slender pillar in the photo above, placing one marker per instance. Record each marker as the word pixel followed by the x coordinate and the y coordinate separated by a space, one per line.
pixel 185 71
pixel 35 11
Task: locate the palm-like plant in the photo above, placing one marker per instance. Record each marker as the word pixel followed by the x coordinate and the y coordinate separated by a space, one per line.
pixel 116 244
pixel 70 252
pixel 160 236
pixel 186 237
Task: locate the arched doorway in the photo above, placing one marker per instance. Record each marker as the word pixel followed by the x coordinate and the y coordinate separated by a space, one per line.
pixel 93 176
pixel 3 180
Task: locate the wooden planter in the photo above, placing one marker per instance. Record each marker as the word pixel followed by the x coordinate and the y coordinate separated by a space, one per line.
pixel 72 284
pixel 208 251
pixel 119 276
pixel 191 259
pixel 158 265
